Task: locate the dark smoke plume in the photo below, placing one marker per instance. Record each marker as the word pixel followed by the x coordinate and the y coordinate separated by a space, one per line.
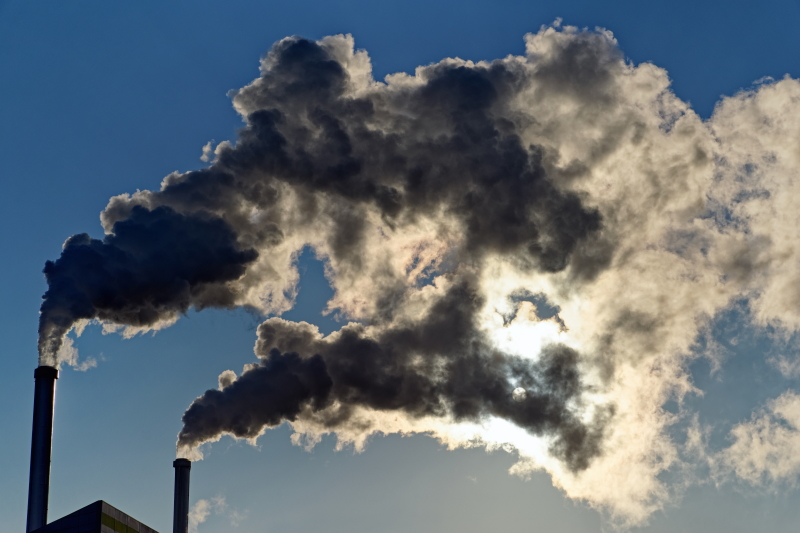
pixel 438 366
pixel 154 265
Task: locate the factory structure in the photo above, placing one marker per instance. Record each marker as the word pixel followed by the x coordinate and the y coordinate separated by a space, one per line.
pixel 97 517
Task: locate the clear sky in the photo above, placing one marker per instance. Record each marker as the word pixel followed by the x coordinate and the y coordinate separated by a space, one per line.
pixel 99 99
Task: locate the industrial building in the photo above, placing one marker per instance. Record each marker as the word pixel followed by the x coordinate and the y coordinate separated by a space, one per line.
pixel 98 517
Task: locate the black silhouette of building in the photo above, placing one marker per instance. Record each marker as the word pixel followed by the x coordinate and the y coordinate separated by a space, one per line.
pixel 98 517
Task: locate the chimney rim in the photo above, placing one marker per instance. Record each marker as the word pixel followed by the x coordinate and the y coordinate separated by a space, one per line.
pixel 182 463
pixel 46 372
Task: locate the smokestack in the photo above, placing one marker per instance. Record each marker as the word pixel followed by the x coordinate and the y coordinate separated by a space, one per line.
pixel 41 445
pixel 180 517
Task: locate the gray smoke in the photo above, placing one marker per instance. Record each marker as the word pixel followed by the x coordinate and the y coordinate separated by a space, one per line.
pixel 436 366
pixel 154 265
pixel 319 162
pixel 558 222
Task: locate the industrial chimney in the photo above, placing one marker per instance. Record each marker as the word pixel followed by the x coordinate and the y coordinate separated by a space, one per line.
pixel 180 516
pixel 41 446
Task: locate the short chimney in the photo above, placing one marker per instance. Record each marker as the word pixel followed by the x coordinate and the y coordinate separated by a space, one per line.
pixel 180 516
pixel 41 446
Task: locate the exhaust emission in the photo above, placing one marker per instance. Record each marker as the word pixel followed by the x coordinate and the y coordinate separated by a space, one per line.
pixel 41 446
pixel 180 516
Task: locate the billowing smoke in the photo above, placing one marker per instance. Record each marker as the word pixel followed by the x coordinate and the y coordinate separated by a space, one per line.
pixel 527 251
pixel 435 366
pixel 153 265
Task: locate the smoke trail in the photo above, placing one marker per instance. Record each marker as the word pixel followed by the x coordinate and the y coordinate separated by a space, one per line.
pixel 155 264
pixel 437 366
pixel 451 207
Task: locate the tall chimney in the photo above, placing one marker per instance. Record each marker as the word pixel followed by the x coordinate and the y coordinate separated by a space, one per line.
pixel 180 515
pixel 41 446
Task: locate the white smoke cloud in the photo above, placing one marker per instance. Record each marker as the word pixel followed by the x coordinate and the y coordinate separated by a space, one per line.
pixel 208 151
pixel 766 449
pixel 68 353
pixel 217 505
pixel 198 514
pixel 756 183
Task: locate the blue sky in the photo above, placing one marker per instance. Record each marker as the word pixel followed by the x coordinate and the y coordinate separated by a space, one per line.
pixel 99 99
